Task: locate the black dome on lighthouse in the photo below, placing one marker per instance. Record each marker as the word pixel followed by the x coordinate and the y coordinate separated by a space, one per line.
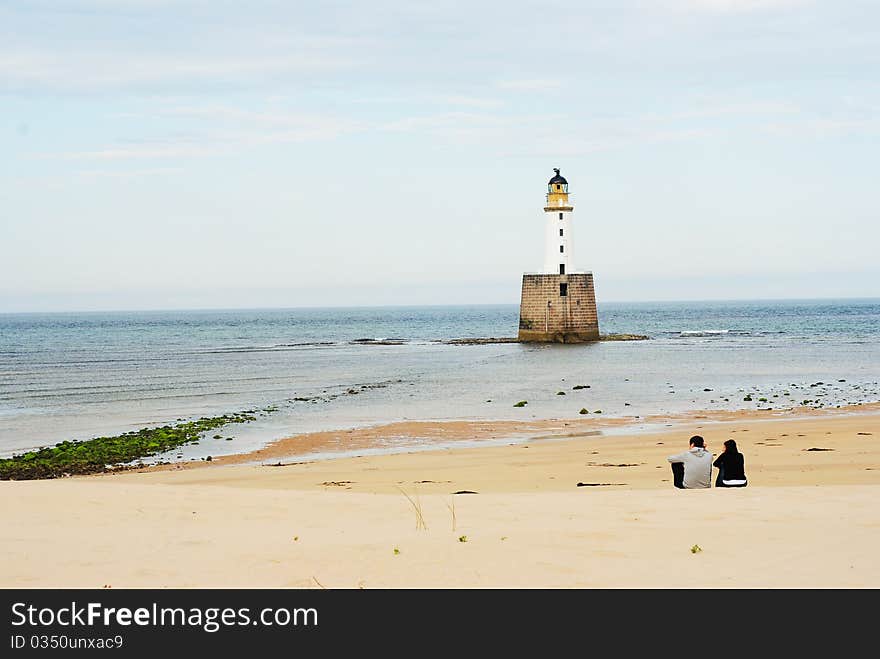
pixel 558 178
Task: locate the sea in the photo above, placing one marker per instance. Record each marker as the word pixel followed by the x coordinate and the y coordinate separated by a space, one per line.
pixel 66 376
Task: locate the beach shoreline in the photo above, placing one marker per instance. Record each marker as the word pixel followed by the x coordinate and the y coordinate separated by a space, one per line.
pixel 587 511
pixel 430 435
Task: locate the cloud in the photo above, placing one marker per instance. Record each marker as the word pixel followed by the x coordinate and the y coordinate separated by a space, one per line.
pixel 243 129
pixel 824 127
pixel 129 173
pixel 467 101
pixel 735 6
pixel 442 121
pixel 530 84
pixel 78 70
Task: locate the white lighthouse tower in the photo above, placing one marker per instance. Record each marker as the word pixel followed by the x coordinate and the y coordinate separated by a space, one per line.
pixel 557 228
pixel 558 304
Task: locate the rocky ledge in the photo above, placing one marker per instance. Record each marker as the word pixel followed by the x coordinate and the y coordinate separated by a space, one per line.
pixel 484 341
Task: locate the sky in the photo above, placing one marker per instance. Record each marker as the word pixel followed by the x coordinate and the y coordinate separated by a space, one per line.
pixel 162 154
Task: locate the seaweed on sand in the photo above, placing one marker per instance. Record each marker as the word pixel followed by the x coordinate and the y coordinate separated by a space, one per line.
pixel 101 453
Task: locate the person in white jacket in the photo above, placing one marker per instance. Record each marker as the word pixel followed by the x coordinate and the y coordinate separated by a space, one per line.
pixel 693 468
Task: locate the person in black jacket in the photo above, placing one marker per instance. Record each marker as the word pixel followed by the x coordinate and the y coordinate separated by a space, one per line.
pixel 731 467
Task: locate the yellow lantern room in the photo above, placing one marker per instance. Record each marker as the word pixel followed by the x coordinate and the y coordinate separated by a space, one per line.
pixel 557 190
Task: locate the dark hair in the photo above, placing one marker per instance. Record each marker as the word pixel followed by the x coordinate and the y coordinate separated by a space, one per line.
pixel 730 446
pixel 696 440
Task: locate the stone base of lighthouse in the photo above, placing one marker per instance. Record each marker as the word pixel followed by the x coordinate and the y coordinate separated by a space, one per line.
pixel 558 308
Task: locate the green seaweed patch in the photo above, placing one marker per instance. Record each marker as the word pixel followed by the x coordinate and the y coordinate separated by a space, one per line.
pixel 102 453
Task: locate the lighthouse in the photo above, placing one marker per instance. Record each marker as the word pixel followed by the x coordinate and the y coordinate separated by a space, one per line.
pixel 557 227
pixel 559 303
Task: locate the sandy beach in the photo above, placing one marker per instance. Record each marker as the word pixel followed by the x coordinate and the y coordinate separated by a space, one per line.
pixel 807 519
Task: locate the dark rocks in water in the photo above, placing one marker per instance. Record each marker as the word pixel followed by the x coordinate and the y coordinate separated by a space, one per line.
pixel 584 410
pixel 478 341
pixel 218 436
pixel 598 412
pixel 560 393
pixel 521 403
pixel 624 337
pixel 378 342
pixel 580 386
pixel 707 389
pixel 208 459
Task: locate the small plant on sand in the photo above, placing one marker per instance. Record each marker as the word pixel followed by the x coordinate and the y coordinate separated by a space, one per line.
pixel 521 403
pixel 417 507
pixel 696 549
pixel 462 538
pixel 452 510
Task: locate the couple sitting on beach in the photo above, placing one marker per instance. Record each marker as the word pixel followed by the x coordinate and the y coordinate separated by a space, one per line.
pixel 693 468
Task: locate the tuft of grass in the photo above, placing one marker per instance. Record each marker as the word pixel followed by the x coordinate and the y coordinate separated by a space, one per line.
pixel 452 510
pixel 696 549
pixel 417 507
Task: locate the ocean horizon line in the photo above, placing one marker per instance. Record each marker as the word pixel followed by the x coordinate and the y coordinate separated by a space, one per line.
pixel 469 305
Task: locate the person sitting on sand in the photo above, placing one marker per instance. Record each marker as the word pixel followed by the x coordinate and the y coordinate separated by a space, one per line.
pixel 731 467
pixel 693 468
